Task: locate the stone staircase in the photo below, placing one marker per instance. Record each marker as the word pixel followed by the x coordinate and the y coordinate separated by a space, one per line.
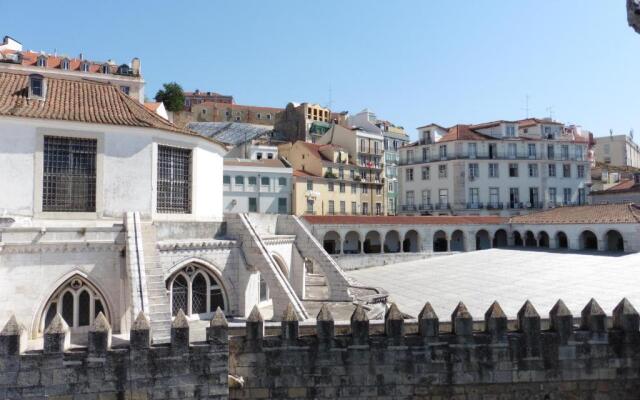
pixel 158 308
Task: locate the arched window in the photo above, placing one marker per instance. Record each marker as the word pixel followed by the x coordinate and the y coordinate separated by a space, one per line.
pixel 84 66
pixel 42 61
pixel 64 64
pixel 195 291
pixel 77 301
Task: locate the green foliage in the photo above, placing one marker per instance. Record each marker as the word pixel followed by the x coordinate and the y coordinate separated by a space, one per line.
pixel 172 96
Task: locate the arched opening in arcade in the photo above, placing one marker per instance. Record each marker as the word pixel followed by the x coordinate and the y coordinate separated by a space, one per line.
pixel 530 239
pixel 392 242
pixel 543 239
pixel 500 238
pixel 562 240
pixel 457 241
pixel 331 242
pixel 517 239
pixel 440 242
pixel 282 265
pixel 588 241
pixel 195 290
pixel 614 241
pixel 351 243
pixel 411 243
pixel 483 240
pixel 372 243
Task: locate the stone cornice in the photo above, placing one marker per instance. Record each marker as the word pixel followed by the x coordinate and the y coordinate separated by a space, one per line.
pixel 60 247
pixel 281 239
pixel 196 244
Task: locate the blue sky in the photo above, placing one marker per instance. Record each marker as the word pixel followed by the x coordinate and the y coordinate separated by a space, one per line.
pixel 412 62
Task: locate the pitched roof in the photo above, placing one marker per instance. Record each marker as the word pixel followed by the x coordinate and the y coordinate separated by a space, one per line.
pixel 524 123
pixel 79 101
pixel 301 173
pixel 152 106
pixel 624 186
pixel 404 220
pixel 463 132
pixel 267 163
pixel 30 58
pixel 314 149
pixel 588 214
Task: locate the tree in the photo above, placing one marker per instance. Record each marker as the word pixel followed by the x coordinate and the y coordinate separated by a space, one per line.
pixel 172 96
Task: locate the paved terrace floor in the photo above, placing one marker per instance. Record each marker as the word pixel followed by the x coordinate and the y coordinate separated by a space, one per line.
pixel 509 276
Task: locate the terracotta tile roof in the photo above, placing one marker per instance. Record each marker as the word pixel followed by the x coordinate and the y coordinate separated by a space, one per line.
pixel 301 173
pixel 405 220
pixel 79 101
pixel 588 214
pixel 491 124
pixel 463 132
pixel 274 163
pixel 524 123
pixel 436 125
pixel 627 185
pixel 314 149
pixel 30 58
pixel 152 106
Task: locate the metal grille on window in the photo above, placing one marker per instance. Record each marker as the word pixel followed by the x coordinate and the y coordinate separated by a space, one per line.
pixel 199 295
pixel 174 180
pixel 179 293
pixel 69 178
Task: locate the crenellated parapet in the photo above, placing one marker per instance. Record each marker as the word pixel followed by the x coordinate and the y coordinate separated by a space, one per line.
pixel 427 358
pixel 137 369
pixel 531 357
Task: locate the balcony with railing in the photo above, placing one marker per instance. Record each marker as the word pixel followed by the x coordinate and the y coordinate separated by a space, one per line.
pixel 486 155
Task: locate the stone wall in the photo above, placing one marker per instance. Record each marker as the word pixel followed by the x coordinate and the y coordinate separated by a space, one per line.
pixel 396 358
pixel 139 370
pixel 350 262
pixel 428 360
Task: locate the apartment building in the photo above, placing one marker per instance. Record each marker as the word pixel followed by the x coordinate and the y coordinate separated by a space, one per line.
pixel 126 77
pixel 394 137
pixel 326 181
pixel 198 97
pixel 618 150
pixel 496 168
pixel 366 152
pixel 226 112
pixel 262 186
pixel 306 121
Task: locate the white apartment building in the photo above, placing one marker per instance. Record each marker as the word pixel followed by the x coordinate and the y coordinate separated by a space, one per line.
pixel 262 186
pixel 497 168
pixel 618 150
pixel 126 77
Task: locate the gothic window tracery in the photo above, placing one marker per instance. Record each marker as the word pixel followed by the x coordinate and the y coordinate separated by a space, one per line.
pixel 195 291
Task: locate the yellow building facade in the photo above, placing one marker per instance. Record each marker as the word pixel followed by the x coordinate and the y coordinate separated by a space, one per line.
pixel 326 181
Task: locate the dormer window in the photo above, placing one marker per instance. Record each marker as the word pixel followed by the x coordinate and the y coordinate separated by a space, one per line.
pixel 84 67
pixel 511 131
pixel 105 69
pixel 64 64
pixel 37 87
pixel 42 61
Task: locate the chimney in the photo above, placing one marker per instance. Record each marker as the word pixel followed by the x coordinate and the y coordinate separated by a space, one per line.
pixel 135 66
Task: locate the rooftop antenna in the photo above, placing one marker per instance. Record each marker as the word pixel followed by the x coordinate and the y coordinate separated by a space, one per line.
pixel 631 133
pixel 330 102
pixel 526 106
pixel 550 111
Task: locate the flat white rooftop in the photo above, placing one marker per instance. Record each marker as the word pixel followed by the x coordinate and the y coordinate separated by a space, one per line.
pixel 509 276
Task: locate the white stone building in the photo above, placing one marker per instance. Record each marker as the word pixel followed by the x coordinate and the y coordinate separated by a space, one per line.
pixel 257 186
pixel 498 168
pixel 126 77
pixel 618 150
pixel 611 228
pixel 107 207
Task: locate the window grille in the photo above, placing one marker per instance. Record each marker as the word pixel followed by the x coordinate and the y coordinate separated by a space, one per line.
pixel 174 180
pixel 69 176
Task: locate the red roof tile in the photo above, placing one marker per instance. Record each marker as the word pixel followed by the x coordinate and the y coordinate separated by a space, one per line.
pixel 588 214
pixel 463 132
pixel 79 101
pixel 405 220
